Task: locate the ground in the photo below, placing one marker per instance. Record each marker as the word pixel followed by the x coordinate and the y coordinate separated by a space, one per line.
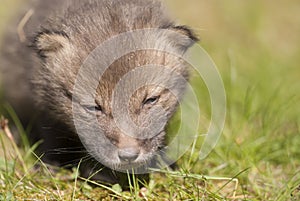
pixel 255 45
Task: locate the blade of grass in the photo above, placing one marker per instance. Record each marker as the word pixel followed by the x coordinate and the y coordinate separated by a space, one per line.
pixel 5 128
pixel 11 112
pixel 106 187
pixel 76 179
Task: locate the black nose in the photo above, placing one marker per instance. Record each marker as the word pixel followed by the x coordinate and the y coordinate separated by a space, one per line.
pixel 128 154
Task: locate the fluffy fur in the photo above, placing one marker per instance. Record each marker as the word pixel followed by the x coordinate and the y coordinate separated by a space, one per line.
pixel 59 39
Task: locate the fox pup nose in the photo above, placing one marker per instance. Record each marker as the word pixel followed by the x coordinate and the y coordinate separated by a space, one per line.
pixel 128 154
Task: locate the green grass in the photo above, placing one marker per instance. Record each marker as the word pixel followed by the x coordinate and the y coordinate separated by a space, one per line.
pixel 255 44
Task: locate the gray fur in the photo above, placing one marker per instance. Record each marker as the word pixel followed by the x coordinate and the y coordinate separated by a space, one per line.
pixel 61 36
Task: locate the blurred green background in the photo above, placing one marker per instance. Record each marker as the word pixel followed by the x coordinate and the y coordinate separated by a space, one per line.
pixel 256 46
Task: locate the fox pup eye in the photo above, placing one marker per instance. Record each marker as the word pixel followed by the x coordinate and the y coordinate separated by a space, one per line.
pixel 151 101
pixel 93 108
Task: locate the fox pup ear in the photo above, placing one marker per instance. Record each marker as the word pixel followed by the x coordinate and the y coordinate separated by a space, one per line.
pixel 187 37
pixel 47 43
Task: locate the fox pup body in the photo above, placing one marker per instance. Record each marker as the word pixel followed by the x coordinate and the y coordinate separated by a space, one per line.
pixel 40 73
